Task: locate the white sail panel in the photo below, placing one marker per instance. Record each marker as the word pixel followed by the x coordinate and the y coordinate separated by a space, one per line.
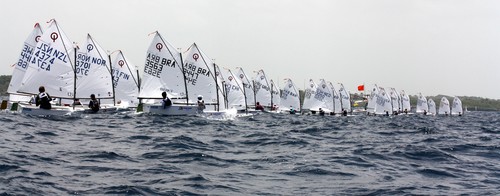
pixel 456 108
pixel 200 78
pixel 262 89
pixel 26 56
pixel 444 106
pixel 52 65
pixel 422 105
pixel 233 90
pixel 395 100
pixel 405 101
pixel 325 96
pixel 163 71
pixel 247 86
pixel 125 81
pixel 289 97
pixel 275 94
pixel 337 104
pixel 345 98
pixel 93 74
pixel 310 102
pixel 383 102
pixel 372 100
pixel 432 106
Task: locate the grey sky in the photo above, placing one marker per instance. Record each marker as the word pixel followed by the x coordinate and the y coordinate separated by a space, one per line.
pixel 435 47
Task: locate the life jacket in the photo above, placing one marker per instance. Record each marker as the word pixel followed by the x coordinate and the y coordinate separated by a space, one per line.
pixel 94 105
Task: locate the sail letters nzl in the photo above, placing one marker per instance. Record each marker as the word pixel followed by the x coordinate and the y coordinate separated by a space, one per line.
pixel 47 55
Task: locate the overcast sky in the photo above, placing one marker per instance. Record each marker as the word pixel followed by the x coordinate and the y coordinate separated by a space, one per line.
pixel 449 47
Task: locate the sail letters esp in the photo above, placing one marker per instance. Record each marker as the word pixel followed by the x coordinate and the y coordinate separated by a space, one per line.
pixel 47 56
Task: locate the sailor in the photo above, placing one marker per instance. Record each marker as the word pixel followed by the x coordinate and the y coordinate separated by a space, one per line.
pixel 292 111
pixel 94 104
pixel 43 99
pixel 259 107
pixel 201 103
pixel 344 112
pixel 165 102
pixel 425 112
pixel 321 112
pixel 406 110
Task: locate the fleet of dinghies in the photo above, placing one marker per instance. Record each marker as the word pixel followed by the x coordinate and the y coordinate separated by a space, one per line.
pixel 71 72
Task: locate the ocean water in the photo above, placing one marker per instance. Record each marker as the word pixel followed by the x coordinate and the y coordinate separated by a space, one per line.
pixel 265 154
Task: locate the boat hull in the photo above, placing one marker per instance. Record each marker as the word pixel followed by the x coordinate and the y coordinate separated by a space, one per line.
pixel 36 111
pixel 174 110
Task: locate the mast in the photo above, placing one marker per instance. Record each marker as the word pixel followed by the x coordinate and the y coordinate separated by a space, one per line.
pixel 74 79
pixel 112 79
pixel 216 87
pixel 184 76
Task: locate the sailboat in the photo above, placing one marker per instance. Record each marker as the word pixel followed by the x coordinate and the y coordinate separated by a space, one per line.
pixel 337 104
pixel 248 88
pixel 405 102
pixel 444 106
pixel 395 100
pixel 51 67
pixel 233 90
pixel 432 107
pixel 125 82
pixel 164 72
pixel 422 106
pixel 93 75
pixel 383 102
pixel 262 89
pixel 202 81
pixel 26 56
pixel 289 100
pixel 310 103
pixel 275 96
pixel 345 98
pixel 372 101
pixel 456 108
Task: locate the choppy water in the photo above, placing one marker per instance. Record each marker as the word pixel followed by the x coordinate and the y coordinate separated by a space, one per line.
pixel 267 154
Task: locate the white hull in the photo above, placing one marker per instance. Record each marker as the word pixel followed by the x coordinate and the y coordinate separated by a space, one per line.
pixel 174 110
pixel 36 111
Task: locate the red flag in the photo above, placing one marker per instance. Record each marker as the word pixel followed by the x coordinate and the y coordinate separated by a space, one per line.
pixel 361 87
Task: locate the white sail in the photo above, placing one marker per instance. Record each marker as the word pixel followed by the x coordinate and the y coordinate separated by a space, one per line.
pixel 432 106
pixel 163 71
pixel 405 101
pixel 92 71
pixel 247 86
pixel 444 106
pixel 125 81
pixel 262 89
pixel 200 78
pixel 337 104
pixel 26 56
pixel 310 102
pixel 395 100
pixel 422 105
pixel 383 102
pixel 345 98
pixel 233 90
pixel 372 100
pixel 275 94
pixel 456 108
pixel 325 95
pixel 52 65
pixel 289 97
